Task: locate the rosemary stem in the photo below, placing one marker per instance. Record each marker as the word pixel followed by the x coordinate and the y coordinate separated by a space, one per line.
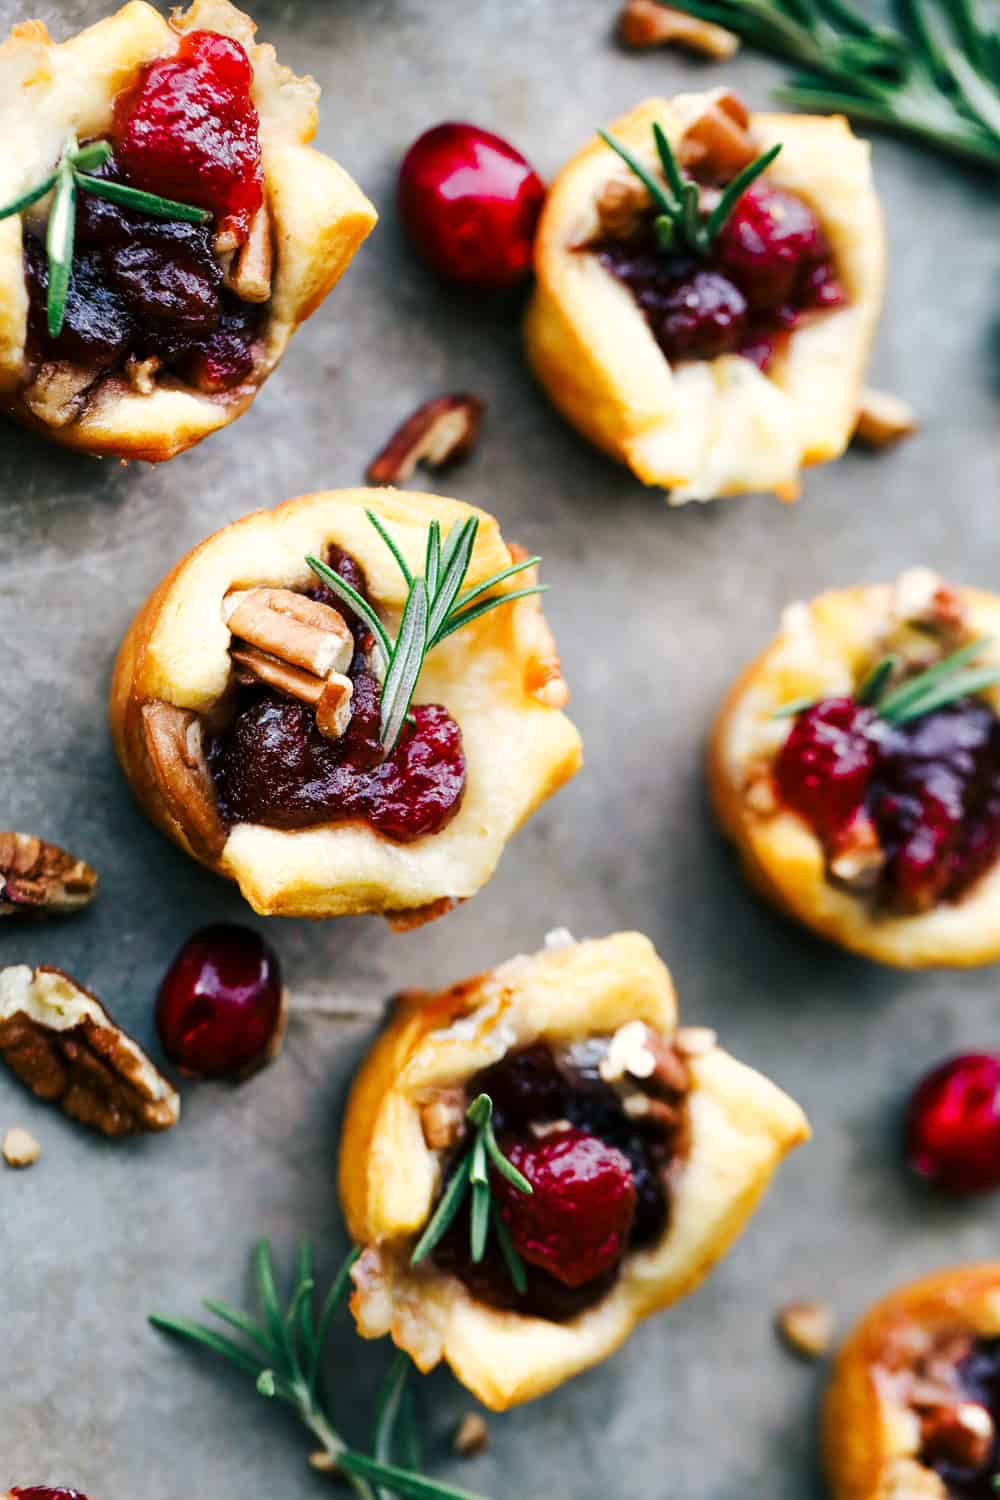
pixel 335 1446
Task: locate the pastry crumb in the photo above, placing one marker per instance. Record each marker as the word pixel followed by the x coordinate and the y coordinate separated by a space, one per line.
pixel 20 1149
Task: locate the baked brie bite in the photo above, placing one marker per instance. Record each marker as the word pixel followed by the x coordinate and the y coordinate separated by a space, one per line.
pixel 539 1157
pixel 713 343
pixel 259 725
pixel 856 766
pixel 164 225
pixel 913 1408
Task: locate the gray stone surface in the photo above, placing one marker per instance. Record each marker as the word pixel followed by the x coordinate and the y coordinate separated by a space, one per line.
pixel 655 611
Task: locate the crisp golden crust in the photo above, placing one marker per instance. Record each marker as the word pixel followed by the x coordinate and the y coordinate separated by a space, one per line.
pixel 822 650
pixel 740 1127
pixel 318 216
pixel 718 427
pixel 519 747
pixel 870 1440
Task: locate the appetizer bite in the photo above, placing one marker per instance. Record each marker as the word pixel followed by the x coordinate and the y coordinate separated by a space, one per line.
pixel 708 284
pixel 346 704
pixel 912 1410
pixel 856 766
pixel 164 226
pixel 539 1157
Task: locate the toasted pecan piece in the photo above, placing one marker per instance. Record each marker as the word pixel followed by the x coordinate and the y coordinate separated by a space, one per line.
pixel 645 23
pixel 40 877
pixel 249 273
pixel 441 432
pixel 883 419
pixel 717 140
pixel 173 740
pixel 57 1038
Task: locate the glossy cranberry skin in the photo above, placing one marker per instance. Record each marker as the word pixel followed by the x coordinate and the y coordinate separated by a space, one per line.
pixel 188 129
pixel 576 1224
pixel 826 764
pixel 220 1002
pixel 43 1492
pixel 953 1125
pixel 469 203
pixel 770 242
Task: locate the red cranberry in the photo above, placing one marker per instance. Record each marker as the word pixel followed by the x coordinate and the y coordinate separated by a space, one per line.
pixel 704 316
pixel 44 1492
pixel 470 204
pixel 188 129
pixel 826 764
pixel 220 1004
pixel 576 1224
pixel 768 240
pixel 953 1124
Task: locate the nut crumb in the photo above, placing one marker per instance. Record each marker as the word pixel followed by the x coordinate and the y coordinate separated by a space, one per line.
pixel 20 1149
pixel 646 23
pixel 472 1436
pixel 883 419
pixel 441 432
pixel 806 1327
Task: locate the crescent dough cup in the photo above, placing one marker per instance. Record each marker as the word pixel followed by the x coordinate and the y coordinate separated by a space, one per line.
pixel 823 650
pixel 740 1127
pixel 710 427
pixel 870 1439
pixel 318 215
pixel 499 677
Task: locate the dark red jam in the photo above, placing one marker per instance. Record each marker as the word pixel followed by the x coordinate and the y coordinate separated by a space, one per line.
pixel 967 1474
pixel 770 266
pixel 599 1179
pixel 930 790
pixel 273 766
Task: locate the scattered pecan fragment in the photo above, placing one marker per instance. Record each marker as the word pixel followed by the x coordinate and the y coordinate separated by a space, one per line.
pixel 40 877
pixel 472 1436
pixel 173 740
pixel 20 1149
pixel 441 432
pixel 57 1038
pixel 883 419
pixel 806 1327
pixel 645 23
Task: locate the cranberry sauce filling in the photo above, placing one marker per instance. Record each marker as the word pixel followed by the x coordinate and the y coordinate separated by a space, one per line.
pixel 925 794
pixel 272 765
pixel 770 265
pixel 959 1444
pixel 149 288
pixel 599 1179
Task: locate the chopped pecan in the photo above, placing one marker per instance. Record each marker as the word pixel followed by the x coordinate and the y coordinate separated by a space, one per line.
pixel 806 1327
pixel 20 1149
pixel 292 627
pixel 472 1436
pixel 962 1434
pixel 638 1053
pixel 35 877
pixel 331 697
pixel 883 419
pixel 442 1118
pixel 57 394
pixel 620 206
pixel 249 272
pixel 57 1038
pixel 645 23
pixel 441 432
pixel 716 140
pixel 173 740
pixel 141 373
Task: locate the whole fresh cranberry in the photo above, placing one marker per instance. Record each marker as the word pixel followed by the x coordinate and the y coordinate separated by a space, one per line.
pixel 953 1124
pixel 220 1006
pixel 189 130
pixel 826 764
pixel 704 315
pixel 768 241
pixel 576 1223
pixel 43 1492
pixel 470 204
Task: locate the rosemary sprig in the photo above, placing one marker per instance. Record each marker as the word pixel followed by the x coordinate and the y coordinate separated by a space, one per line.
pixel 435 608
pixel 932 688
pixel 472 1175
pixel 679 222
pixel 72 176
pixel 936 78
pixel 282 1353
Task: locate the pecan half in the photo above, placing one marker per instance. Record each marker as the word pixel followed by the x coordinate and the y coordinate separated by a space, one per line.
pixel 441 432
pixel 883 419
pixel 57 1038
pixel 645 23
pixel 40 877
pixel 173 740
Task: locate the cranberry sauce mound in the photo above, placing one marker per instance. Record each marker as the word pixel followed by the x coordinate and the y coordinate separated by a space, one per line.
pixel 600 1180
pixel 147 289
pixel 272 764
pixel 769 267
pixel 919 801
pixel 955 1394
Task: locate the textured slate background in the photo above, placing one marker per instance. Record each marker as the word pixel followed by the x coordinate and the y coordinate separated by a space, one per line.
pixel 654 611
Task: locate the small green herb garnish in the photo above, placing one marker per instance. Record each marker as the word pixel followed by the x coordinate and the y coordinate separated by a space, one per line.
pixel 679 222
pixel 282 1354
pixel 434 610
pixel 937 78
pixel 72 176
pixel 933 688
pixel 472 1173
